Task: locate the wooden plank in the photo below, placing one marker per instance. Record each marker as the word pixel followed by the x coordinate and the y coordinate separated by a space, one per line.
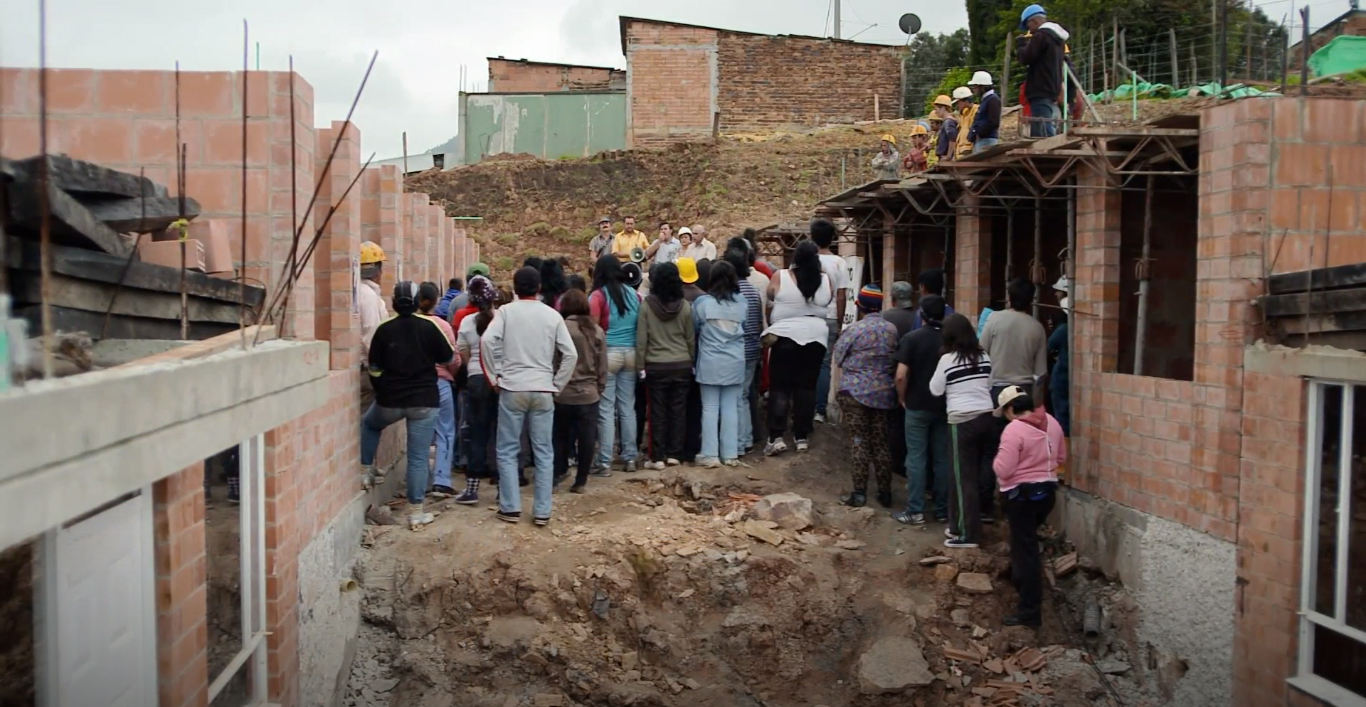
pixel 1332 301
pixel 120 326
pixel 1136 131
pixel 69 222
pixel 81 178
pixel 92 296
pixel 1323 279
pixel 155 213
pixel 90 265
pixel 208 347
pixel 1324 323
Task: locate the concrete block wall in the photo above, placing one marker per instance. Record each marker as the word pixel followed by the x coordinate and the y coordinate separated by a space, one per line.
pixel 181 592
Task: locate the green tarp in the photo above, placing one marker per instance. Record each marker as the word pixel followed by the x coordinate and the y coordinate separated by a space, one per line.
pixel 1125 92
pixel 1342 55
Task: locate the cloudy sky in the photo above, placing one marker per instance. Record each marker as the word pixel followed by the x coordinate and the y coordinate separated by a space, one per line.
pixel 422 44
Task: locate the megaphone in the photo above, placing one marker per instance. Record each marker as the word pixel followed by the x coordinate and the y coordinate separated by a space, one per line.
pixel 637 255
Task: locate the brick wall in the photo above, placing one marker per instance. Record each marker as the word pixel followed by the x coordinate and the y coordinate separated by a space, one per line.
pixel 1354 25
pixel 969 290
pixel 181 596
pixel 769 83
pixel 514 76
pixel 671 79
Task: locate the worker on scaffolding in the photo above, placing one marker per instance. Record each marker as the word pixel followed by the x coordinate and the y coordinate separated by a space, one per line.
pixel 887 161
pixel 1042 49
pixel 918 154
pixel 985 130
pixel 945 125
pixel 967 112
pixel 373 311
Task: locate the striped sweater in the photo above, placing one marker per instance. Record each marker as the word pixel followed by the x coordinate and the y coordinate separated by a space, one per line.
pixel 966 386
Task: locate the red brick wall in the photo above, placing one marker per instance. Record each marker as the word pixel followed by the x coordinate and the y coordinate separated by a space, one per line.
pixel 670 83
pixel 797 82
pixel 1353 26
pixel 181 597
pixel 512 76
pixel 970 288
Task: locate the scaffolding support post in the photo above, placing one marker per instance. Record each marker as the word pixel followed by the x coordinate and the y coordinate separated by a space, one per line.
pixel 1037 274
pixel 1144 271
pixel 1010 248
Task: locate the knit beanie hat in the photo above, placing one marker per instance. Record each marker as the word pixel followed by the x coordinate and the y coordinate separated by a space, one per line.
pixel 481 291
pixel 870 298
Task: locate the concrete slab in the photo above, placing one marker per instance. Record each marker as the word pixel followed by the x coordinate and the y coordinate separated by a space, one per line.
pixel 116 352
pixel 1309 362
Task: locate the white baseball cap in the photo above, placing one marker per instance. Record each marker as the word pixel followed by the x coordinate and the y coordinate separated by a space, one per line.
pixel 1007 396
pixel 1063 285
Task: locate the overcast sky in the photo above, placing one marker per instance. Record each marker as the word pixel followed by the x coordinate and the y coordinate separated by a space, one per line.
pixel 422 44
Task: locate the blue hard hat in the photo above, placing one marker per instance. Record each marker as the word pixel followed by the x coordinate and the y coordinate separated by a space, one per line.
pixel 1029 12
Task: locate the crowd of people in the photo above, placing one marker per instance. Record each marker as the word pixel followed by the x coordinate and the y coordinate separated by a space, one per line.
pixel 704 360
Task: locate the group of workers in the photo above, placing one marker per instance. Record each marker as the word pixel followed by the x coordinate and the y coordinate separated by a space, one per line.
pixel 969 120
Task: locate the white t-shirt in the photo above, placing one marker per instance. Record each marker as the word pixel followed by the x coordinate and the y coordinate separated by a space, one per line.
pixel 468 337
pixel 966 386
pixel 835 267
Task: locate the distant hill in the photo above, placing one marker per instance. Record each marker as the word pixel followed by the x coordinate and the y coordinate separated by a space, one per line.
pixel 445 147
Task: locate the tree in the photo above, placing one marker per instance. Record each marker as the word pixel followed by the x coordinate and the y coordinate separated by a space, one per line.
pixel 987 36
pixel 927 57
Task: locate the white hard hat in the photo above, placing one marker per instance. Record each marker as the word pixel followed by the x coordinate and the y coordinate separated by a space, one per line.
pixel 962 93
pixel 1063 285
pixel 980 78
pixel 685 231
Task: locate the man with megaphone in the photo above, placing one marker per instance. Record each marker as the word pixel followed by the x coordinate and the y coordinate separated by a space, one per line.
pixel 626 240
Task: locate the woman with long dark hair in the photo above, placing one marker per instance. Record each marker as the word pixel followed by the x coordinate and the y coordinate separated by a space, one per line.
pixel 665 348
pixel 553 282
pixel 798 299
pixel 963 377
pixel 617 310
pixel 483 399
pixel 576 407
pixel 719 317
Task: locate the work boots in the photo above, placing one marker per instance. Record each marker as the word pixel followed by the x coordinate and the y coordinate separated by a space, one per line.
pixel 417 518
pixel 370 476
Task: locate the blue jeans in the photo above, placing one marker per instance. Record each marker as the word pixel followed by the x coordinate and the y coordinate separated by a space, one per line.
pixel 983 143
pixel 823 382
pixel 927 435
pixel 538 410
pixel 421 427
pixel 1062 406
pixel 720 408
pixel 618 400
pixel 445 434
pixel 1044 114
pixel 746 414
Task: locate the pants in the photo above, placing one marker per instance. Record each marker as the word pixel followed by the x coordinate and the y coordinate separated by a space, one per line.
pixel 421 427
pixel 462 426
pixel 668 412
pixel 823 382
pixel 692 427
pixel 618 400
pixel 642 410
pixel 972 455
pixel 1061 406
pixel 1044 115
pixel 792 387
pixel 984 143
pixel 927 441
pixel 747 426
pixel 367 390
pixel 721 421
pixel 867 431
pixel 575 424
pixel 483 427
pixel 896 439
pixel 1027 507
pixel 756 412
pixel 445 434
pixel 539 410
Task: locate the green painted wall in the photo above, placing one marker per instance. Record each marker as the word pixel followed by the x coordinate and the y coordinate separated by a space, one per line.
pixel 551 126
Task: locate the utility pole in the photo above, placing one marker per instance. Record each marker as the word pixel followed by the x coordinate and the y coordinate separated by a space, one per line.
pixel 837 18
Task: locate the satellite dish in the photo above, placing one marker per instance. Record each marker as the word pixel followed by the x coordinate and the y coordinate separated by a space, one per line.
pixel 909 23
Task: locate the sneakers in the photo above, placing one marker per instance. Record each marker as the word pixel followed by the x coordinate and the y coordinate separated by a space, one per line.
pixel 541 522
pixel 440 492
pixel 732 463
pixel 654 466
pixel 577 488
pixel 672 462
pixel 629 466
pixel 367 476
pixel 820 418
pixel 1020 620
pixel 948 533
pixel 417 518
pixel 466 498
pixel 857 499
pixel 803 445
pixel 709 462
pixel 906 518
pixel 959 544
pixel 777 446
pixel 512 517
pixel 601 472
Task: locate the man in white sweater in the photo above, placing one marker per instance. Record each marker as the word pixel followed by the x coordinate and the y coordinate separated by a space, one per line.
pixel 518 355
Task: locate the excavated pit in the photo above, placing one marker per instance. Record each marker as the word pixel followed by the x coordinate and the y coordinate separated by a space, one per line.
pixel 661 589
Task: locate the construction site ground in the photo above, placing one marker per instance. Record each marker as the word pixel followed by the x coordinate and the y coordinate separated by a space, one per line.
pixel 668 589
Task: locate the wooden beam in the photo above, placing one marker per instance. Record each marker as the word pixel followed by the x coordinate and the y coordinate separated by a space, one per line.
pixel 94 296
pixel 1136 131
pixel 1322 278
pixel 1330 302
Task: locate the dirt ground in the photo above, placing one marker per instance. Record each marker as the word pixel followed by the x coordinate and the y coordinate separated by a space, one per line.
pixel 656 589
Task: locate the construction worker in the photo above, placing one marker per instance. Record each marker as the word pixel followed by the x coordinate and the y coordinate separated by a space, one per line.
pixel 887 162
pixel 918 154
pixel 602 242
pixel 1043 50
pixel 628 240
pixel 986 125
pixel 947 133
pixel 967 112
pixel 373 312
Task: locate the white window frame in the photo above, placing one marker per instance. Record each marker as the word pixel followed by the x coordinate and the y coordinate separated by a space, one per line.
pixel 252 536
pixel 1310 618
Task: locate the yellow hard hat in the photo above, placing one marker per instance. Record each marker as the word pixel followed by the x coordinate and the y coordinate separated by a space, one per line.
pixel 942 100
pixel 889 138
pixel 371 253
pixel 919 130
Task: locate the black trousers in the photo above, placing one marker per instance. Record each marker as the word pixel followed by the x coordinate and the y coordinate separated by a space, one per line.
pixel 971 444
pixel 483 429
pixel 896 440
pixel 692 434
pixel 792 375
pixel 756 412
pixel 1027 507
pixel 669 412
pixel 575 424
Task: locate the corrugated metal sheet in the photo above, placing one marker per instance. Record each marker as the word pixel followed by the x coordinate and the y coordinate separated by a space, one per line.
pixel 548 125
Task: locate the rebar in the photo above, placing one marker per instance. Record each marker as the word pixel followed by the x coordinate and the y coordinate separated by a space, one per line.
pixel 1144 273
pixel 44 208
pixel 246 97
pixel 181 151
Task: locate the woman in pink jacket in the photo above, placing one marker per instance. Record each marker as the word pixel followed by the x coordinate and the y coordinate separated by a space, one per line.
pixel 1032 448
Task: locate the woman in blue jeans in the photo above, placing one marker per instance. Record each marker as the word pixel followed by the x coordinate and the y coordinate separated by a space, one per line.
pixel 404 354
pixel 719 317
pixel 616 308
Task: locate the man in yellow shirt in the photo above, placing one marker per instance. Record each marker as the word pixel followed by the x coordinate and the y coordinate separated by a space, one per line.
pixel 628 239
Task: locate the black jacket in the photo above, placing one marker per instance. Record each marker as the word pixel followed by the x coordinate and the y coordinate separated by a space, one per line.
pixel 1043 53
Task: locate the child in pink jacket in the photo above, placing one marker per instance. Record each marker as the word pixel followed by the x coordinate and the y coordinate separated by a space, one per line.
pixel 1032 448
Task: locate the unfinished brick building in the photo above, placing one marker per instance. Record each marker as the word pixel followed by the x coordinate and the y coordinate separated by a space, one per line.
pixel 687 82
pixel 1217 428
pixel 523 76
pixel 114 506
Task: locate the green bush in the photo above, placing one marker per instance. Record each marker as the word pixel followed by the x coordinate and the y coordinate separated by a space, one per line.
pixel 953 78
pixel 503 264
pixel 507 239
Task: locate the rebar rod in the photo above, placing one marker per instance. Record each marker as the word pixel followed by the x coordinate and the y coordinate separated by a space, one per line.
pixel 1144 271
